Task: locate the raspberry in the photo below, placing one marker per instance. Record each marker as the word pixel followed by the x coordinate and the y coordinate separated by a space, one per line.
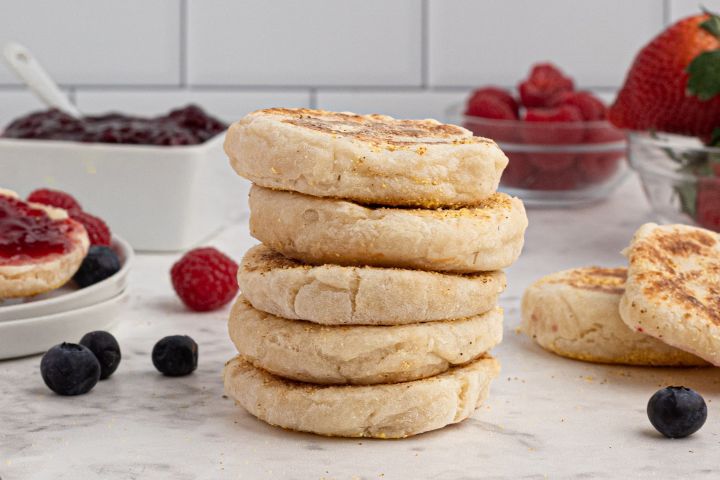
pixel 591 108
pixel 205 279
pixel 553 131
pixel 490 107
pixel 54 198
pixel 544 86
pixel 97 230
pixel 492 92
pixel 519 171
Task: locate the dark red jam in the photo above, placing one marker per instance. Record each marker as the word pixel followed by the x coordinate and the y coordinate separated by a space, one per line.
pixel 190 125
pixel 28 233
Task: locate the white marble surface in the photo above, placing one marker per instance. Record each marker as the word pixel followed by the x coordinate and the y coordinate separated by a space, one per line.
pixel 546 417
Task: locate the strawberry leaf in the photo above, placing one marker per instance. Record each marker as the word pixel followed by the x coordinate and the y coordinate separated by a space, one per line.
pixel 704 72
pixel 712 24
pixel 687 192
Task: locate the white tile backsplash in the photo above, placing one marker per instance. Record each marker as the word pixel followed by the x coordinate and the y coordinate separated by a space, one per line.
pixel 487 41
pixel 227 105
pixel 416 104
pixel 406 58
pixel 83 42
pixel 15 102
pixel 685 8
pixel 310 42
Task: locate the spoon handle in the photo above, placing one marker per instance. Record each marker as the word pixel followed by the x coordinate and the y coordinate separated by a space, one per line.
pixel 24 64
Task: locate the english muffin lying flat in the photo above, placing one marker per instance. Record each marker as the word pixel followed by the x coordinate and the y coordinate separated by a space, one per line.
pixel 380 411
pixel 58 248
pixel 322 230
pixel 360 354
pixel 574 313
pixel 335 295
pixel 673 287
pixel 371 159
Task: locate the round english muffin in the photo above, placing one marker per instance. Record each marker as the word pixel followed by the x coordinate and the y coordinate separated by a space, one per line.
pixel 574 313
pixel 365 158
pixel 335 295
pixel 380 411
pixel 330 231
pixel 22 276
pixel 673 287
pixel 360 354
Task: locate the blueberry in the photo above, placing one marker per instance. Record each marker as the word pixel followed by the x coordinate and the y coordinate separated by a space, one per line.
pixel 105 348
pixel 176 355
pixel 100 263
pixel 677 412
pixel 70 369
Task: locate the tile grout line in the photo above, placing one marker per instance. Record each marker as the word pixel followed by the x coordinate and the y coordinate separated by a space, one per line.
pixel 183 5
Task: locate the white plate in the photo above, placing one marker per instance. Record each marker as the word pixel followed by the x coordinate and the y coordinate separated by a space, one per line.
pixel 29 336
pixel 70 297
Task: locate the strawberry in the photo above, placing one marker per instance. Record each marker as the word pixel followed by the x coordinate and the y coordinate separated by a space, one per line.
pixel 564 180
pixel 544 87
pixel 591 108
pixel 598 167
pixel 672 84
pixel 499 94
pixel 708 203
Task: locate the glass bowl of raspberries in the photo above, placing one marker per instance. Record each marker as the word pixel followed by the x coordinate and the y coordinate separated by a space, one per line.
pixel 680 176
pixel 562 151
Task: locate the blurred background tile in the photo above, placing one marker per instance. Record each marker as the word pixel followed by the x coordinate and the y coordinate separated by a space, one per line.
pixel 481 41
pixel 313 42
pixel 85 42
pixel 227 105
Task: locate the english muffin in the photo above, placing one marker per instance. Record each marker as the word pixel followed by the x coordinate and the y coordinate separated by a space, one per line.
pixel 323 230
pixel 574 313
pixel 372 159
pixel 360 354
pixel 673 287
pixel 55 261
pixel 335 295
pixel 381 411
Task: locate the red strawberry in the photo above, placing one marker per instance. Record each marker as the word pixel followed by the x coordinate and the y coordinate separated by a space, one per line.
pixel 591 108
pixel 544 86
pixel 565 180
pixel 656 94
pixel 487 106
pixel 708 203
pixel 500 94
pixel 553 161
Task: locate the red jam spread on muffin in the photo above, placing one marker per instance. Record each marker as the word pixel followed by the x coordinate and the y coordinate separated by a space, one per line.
pixel 28 233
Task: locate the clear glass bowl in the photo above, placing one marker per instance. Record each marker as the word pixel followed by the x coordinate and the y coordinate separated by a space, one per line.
pixel 678 177
pixel 555 164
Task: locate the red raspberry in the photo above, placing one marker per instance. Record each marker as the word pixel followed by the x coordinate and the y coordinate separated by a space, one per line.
pixel 548 126
pixel 54 198
pixel 519 171
pixel 591 108
pixel 708 203
pixel 97 230
pixel 490 107
pixel 544 86
pixel 205 279
pixel 492 92
pixel 597 167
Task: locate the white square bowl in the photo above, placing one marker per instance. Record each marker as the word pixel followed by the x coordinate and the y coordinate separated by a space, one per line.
pixel 159 198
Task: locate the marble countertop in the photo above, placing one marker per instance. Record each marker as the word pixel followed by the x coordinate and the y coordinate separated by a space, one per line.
pixel 547 417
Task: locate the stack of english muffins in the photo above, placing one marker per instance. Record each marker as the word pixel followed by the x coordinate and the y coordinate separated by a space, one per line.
pixel 370 306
